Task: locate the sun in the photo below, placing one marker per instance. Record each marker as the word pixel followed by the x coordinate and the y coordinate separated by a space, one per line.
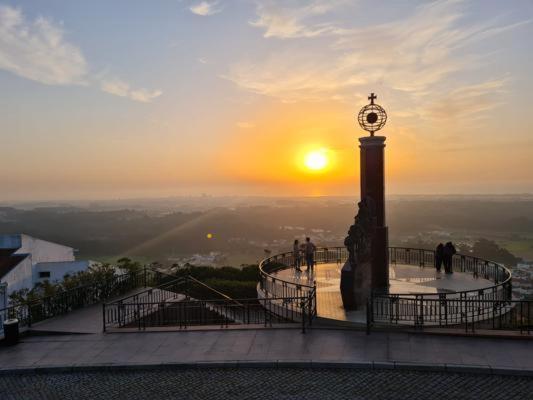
pixel 316 160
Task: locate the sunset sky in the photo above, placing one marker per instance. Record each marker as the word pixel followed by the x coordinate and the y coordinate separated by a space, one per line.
pixel 107 99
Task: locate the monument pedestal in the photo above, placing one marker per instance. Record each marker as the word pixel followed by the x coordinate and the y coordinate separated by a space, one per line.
pixel 373 187
pixel 355 285
pixel 367 269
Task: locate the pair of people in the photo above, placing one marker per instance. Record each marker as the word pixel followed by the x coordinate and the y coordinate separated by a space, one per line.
pixel 444 255
pixel 308 249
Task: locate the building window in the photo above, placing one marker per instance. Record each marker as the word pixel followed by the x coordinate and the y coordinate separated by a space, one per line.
pixel 44 274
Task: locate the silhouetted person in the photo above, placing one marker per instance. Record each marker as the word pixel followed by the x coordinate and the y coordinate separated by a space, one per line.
pixel 296 255
pixel 449 251
pixel 439 256
pixel 309 250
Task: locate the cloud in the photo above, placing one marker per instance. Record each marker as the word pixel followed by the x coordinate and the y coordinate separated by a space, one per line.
pixel 468 100
pixel 413 59
pixel 123 89
pixel 245 125
pixel 38 50
pixel 288 19
pixel 205 8
pixel 293 76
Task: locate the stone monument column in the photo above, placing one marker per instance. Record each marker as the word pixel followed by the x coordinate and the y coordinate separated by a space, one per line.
pixel 367 268
pixel 372 178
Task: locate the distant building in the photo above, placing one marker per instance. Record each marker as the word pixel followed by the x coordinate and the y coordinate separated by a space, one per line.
pixel 25 261
pixel 523 280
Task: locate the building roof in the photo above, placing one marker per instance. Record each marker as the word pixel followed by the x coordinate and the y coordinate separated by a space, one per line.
pixel 7 263
pixel 15 241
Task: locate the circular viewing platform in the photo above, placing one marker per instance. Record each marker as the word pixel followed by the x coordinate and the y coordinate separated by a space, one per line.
pixel 412 277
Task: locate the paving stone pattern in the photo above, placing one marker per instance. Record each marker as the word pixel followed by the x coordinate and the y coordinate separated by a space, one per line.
pixel 263 383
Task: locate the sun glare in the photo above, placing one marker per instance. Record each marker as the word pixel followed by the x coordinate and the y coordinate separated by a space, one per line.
pixel 316 160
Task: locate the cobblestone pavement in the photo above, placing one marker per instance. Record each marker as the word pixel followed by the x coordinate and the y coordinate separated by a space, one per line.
pixel 263 383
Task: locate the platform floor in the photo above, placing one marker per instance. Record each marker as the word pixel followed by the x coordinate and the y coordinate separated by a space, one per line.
pixel 87 319
pixel 404 279
pixel 317 345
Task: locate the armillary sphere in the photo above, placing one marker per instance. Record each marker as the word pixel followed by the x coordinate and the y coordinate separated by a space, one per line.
pixel 372 117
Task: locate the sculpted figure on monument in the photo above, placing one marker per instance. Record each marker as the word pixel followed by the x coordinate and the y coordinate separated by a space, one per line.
pixel 359 239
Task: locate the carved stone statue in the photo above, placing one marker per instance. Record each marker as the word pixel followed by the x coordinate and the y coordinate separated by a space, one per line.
pixel 356 272
pixel 359 239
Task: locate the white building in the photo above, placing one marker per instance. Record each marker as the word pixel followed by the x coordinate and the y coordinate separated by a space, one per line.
pixel 25 261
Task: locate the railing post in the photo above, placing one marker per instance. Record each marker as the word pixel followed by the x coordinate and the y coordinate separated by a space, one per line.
pixel 314 299
pixel 368 314
pixel 302 305
pixel 103 317
pixel 265 311
pixel 145 275
pixel 421 316
pixel 309 308
pixel 139 314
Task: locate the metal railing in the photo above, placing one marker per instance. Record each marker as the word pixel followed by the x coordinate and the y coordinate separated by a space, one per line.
pixel 31 312
pixel 470 313
pixel 183 314
pixel 171 305
pixel 477 267
pixel 490 307
pixel 273 285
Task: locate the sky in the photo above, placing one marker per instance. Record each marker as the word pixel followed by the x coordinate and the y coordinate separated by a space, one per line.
pixel 128 98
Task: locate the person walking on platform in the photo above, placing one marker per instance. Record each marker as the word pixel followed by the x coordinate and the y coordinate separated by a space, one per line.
pixel 449 251
pixel 439 256
pixel 296 255
pixel 309 250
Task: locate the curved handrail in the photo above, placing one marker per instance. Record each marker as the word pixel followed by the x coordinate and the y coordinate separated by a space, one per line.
pixel 460 263
pixel 424 258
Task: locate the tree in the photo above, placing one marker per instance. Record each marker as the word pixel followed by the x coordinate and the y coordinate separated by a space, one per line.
pixel 128 265
pixel 488 249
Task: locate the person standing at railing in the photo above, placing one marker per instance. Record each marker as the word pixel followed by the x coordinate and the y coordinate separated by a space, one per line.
pixel 309 250
pixel 297 256
pixel 449 251
pixel 439 256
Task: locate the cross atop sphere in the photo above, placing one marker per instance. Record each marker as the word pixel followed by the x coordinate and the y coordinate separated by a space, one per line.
pixel 372 117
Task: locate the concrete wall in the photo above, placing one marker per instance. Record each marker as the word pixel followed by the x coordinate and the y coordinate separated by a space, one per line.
pixel 19 277
pixel 58 270
pixel 44 251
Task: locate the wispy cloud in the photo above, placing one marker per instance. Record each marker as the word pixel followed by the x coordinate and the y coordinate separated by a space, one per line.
pixel 123 89
pixel 205 8
pixel 291 19
pixel 38 50
pixel 413 58
pixel 295 75
pixel 468 100
pixel 245 125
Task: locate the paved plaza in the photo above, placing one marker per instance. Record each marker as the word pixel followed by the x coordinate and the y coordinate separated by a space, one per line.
pixel 263 383
pixel 267 345
pixel 404 279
